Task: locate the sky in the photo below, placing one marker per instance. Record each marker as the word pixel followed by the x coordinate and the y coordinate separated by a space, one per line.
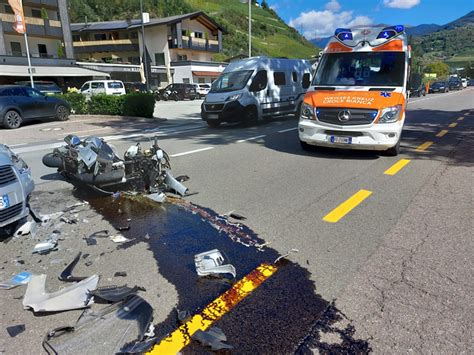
pixel 319 18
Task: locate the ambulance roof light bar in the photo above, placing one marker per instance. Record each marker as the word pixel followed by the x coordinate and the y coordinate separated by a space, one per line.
pixel 343 34
pixel 389 32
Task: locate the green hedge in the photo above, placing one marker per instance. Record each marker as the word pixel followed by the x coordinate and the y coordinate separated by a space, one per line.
pixel 135 104
pixel 139 105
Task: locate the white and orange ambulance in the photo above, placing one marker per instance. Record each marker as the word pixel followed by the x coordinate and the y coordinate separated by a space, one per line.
pixel 358 96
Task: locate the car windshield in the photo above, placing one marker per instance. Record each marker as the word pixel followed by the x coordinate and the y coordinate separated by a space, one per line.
pixel 438 83
pixel 361 69
pixel 231 81
pixel 115 85
pixel 47 87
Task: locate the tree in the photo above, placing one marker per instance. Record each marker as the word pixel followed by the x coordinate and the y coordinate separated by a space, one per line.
pixel 441 69
pixel 264 5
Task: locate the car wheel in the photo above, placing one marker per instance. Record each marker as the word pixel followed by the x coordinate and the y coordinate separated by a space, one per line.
pixel 12 119
pixel 62 113
pixel 394 151
pixel 251 116
pixel 213 123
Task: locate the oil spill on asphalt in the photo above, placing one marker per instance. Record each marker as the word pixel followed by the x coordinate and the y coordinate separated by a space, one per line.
pixel 284 315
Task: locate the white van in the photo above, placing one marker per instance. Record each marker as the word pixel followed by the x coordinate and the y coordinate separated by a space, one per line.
pixel 108 87
pixel 257 87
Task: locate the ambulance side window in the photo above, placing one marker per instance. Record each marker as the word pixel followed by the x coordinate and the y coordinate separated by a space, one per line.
pixel 259 82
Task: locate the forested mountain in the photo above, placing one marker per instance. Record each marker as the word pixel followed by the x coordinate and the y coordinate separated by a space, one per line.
pixel 270 34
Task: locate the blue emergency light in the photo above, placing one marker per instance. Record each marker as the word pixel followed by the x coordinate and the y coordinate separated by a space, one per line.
pixel 389 32
pixel 344 34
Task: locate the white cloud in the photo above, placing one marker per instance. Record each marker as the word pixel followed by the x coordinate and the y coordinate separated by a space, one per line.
pixel 314 24
pixel 333 6
pixel 401 4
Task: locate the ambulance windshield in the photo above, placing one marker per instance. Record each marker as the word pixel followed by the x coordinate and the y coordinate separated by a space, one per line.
pixel 361 69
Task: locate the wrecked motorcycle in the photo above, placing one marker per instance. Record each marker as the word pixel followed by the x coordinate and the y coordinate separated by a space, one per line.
pixel 93 162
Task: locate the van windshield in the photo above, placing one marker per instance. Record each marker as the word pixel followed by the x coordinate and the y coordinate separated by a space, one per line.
pixel 231 81
pixel 361 69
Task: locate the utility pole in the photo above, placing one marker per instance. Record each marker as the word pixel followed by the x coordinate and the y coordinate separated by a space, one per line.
pixel 250 27
pixel 145 64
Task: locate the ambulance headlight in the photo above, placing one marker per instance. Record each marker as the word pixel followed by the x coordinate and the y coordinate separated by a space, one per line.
pixel 390 114
pixel 307 112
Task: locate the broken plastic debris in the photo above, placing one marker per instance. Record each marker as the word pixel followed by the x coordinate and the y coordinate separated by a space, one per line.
pixel 68 220
pixel 285 255
pixel 159 197
pixel 66 275
pixel 90 240
pixel 214 338
pixel 47 245
pixel 175 185
pixel 48 217
pixel 212 262
pixel 113 329
pixel 27 228
pixel 182 178
pixel 14 330
pixel 120 273
pixel 235 215
pixel 115 293
pixel 19 279
pixel 73 297
pixel 119 238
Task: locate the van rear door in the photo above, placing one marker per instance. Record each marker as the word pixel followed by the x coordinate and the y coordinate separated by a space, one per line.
pixel 115 88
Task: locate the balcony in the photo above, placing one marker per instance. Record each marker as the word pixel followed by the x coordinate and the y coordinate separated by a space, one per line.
pixel 37 59
pixel 42 3
pixel 197 44
pixel 111 45
pixel 34 26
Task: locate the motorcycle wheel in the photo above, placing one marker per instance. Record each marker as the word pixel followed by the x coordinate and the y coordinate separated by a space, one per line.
pixel 52 160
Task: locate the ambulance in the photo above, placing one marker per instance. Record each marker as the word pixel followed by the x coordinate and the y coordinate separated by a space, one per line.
pixel 357 99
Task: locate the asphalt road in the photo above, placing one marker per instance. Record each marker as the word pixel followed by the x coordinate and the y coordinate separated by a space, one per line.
pixel 262 173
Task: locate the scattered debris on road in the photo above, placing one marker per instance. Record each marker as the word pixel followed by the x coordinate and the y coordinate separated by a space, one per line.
pixel 19 279
pixel 48 245
pixel 14 330
pixel 28 227
pixel 115 293
pixel 285 255
pixel 212 262
pixel 214 337
pixel 66 275
pixel 119 238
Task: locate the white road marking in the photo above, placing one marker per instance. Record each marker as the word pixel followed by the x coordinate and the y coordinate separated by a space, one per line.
pixel 287 130
pixel 17 145
pixel 86 130
pixel 251 138
pixel 191 152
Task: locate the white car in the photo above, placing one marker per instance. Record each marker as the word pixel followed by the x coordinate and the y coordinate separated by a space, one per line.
pixel 464 82
pixel 203 89
pixel 108 87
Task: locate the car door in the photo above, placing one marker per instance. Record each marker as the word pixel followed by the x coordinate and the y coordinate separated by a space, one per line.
pixel 42 108
pixel 26 104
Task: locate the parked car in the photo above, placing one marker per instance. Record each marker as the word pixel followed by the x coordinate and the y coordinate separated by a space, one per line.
pixel 45 87
pixel 470 82
pixel 418 91
pixel 131 87
pixel 455 84
pixel 184 91
pixel 203 89
pixel 464 82
pixel 439 86
pixel 22 103
pixel 108 87
pixel 16 186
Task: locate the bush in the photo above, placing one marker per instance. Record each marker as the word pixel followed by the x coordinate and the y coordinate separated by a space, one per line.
pixel 76 100
pixel 105 104
pixel 139 105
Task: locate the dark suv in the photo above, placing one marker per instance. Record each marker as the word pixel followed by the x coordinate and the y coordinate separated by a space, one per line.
pixel 185 91
pixel 455 84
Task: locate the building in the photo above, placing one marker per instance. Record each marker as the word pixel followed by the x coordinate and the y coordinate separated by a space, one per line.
pixel 50 45
pixel 178 48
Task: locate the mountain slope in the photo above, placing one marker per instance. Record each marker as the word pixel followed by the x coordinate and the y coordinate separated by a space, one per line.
pixel 422 30
pixel 270 34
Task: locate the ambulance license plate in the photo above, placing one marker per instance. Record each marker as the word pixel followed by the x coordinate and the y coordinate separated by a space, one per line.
pixel 4 202
pixel 344 140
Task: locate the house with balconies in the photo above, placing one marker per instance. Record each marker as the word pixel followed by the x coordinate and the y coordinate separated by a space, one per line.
pixel 177 48
pixel 49 42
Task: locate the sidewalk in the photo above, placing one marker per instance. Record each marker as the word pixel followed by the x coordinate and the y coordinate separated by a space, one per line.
pixel 415 293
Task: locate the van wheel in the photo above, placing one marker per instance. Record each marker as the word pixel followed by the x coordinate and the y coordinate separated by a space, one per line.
pixel 12 119
pixel 62 113
pixel 213 123
pixel 394 151
pixel 251 116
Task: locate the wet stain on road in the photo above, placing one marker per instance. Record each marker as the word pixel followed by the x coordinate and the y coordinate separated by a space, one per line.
pixel 284 315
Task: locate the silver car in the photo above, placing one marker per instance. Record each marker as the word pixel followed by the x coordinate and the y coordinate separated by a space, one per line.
pixel 16 186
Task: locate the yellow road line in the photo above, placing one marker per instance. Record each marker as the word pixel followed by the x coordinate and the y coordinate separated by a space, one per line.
pixel 461 118
pixel 395 168
pixel 452 125
pixel 424 146
pixel 181 337
pixel 344 208
pixel 442 133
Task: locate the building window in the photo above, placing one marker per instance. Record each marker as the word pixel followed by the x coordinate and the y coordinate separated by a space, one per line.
pixel 279 78
pixel 133 35
pixel 201 80
pixel 198 34
pixel 185 80
pixel 100 37
pixel 8 9
pixel 16 49
pixel 76 38
pixel 36 13
pixel 182 57
pixel 159 59
pixel 184 32
pixel 42 50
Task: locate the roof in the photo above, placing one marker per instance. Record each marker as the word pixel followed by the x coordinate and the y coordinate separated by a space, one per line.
pixel 22 70
pixel 200 16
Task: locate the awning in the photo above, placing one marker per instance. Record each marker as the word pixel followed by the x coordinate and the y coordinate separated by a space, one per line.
pixel 22 70
pixel 213 74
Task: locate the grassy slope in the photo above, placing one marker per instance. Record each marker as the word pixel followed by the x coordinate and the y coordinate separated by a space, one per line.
pixel 271 36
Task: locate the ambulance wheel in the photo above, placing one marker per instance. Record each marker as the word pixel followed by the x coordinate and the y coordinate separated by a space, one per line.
pixel 393 152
